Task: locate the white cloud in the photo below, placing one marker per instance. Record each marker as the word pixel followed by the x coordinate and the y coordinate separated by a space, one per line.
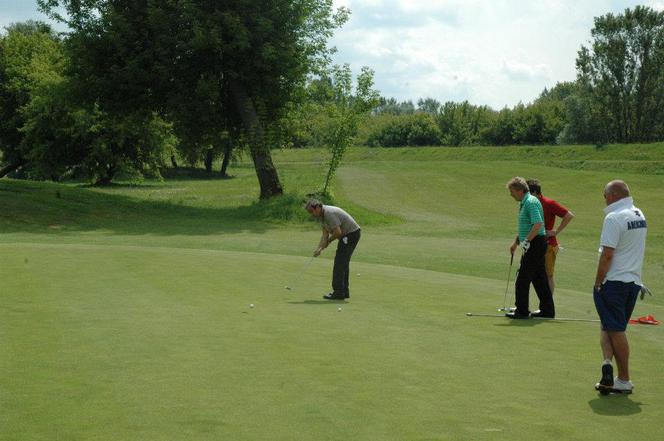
pixel 494 52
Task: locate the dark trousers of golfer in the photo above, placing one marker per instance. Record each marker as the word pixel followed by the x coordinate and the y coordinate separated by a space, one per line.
pixel 533 270
pixel 341 269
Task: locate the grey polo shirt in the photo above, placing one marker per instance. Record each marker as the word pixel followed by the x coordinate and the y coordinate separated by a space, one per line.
pixel 336 217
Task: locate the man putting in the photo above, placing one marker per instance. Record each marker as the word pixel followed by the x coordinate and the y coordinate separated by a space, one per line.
pixel 336 225
pixel 532 240
pixel 618 281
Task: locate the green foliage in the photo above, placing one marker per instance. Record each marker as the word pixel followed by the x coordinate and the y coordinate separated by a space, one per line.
pixel 31 61
pixel 463 123
pixel 622 76
pixel 387 130
pixel 391 106
pixel 210 68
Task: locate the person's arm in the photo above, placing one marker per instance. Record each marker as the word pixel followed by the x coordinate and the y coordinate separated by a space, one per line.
pixel 336 234
pixel 603 265
pixel 533 231
pixel 515 244
pixel 323 243
pixel 531 235
pixel 566 220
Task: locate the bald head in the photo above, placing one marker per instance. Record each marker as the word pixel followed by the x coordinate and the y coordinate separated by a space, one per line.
pixel 615 190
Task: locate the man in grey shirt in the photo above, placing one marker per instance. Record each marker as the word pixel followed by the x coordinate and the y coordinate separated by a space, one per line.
pixel 336 225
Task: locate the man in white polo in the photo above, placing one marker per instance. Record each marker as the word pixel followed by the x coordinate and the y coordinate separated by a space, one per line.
pixel 618 282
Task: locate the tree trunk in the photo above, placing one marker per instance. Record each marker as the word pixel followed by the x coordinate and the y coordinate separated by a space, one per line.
pixel 228 150
pixel 11 167
pixel 174 163
pixel 108 177
pixel 268 179
pixel 208 160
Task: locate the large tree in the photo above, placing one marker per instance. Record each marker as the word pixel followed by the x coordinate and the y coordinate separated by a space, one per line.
pixel 622 73
pixel 210 67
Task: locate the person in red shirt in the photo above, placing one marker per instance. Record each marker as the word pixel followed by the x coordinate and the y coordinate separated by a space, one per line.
pixel 552 209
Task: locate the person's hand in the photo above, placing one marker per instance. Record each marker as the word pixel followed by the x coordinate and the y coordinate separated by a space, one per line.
pixel 525 245
pixel 643 291
pixel 317 252
pixel 550 233
pixel 513 247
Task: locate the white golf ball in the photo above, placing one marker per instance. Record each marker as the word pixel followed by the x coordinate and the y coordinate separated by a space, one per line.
pixel 251 305
pixel 339 309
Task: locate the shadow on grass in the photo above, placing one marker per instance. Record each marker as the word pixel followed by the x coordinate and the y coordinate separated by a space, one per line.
pixel 319 302
pixel 30 207
pixel 192 174
pixel 615 405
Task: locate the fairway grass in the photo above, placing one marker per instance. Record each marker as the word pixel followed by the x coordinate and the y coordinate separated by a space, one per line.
pixel 125 311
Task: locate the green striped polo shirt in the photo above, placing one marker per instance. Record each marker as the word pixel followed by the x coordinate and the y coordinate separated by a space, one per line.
pixel 530 212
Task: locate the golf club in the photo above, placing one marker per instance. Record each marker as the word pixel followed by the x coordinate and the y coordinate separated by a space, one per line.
pixel 555 319
pixel 472 314
pixel 298 275
pixel 509 273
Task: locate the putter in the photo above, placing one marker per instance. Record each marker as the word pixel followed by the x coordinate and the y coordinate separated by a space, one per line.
pixel 509 273
pixel 556 319
pixel 472 314
pixel 298 275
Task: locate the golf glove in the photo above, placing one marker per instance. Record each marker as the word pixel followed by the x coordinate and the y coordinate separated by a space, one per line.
pixel 525 245
pixel 644 291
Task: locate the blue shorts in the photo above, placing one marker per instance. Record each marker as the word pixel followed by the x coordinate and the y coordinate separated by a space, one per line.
pixel 615 303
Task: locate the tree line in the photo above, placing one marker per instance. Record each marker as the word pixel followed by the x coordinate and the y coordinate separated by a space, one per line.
pixel 134 83
pixel 618 96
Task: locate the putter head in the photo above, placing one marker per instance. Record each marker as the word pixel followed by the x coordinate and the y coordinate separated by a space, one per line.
pixel 288 287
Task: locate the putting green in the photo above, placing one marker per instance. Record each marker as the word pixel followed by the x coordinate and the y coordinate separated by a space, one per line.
pixel 149 343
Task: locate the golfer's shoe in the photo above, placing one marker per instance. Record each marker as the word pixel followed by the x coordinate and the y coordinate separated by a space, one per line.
pixel 333 296
pixel 540 314
pixel 515 316
pixel 622 387
pixel 606 383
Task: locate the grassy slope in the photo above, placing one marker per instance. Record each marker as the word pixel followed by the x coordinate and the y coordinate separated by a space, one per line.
pixel 124 312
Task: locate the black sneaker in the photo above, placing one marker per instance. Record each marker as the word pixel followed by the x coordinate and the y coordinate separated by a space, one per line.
pixel 515 316
pixel 333 296
pixel 605 385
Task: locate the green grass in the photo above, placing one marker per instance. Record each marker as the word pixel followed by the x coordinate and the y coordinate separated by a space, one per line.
pixel 124 312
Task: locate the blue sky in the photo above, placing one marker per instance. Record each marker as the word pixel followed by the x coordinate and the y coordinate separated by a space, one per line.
pixel 493 52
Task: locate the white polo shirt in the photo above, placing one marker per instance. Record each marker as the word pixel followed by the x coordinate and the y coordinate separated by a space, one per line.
pixel 624 230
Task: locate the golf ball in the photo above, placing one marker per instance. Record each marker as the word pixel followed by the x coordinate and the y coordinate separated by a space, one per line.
pixel 251 305
pixel 339 309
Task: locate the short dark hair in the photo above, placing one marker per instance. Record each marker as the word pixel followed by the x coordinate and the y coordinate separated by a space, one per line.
pixel 534 186
pixel 313 203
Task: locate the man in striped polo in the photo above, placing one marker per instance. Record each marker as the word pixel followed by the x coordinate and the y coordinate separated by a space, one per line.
pixel 532 240
pixel 336 225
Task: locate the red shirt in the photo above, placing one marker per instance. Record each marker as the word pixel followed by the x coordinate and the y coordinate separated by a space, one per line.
pixel 551 210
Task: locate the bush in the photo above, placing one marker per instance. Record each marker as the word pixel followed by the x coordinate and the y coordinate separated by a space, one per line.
pixel 418 129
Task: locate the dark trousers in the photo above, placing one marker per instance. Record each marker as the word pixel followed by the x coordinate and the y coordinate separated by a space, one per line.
pixel 532 270
pixel 341 269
